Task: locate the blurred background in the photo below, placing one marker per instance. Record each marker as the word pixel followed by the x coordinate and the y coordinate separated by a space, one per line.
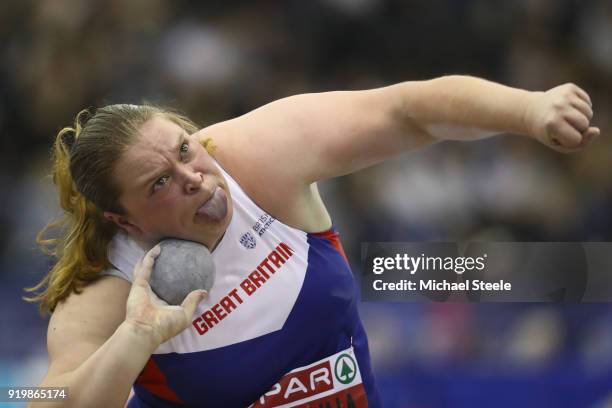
pixel 217 60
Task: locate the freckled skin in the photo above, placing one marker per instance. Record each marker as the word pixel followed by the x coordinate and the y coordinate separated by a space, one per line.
pixel 168 209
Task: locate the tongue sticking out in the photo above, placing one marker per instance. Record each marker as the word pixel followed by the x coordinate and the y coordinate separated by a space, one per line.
pixel 216 207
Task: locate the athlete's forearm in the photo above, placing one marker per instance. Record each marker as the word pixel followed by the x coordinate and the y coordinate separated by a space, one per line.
pixel 466 108
pixel 106 377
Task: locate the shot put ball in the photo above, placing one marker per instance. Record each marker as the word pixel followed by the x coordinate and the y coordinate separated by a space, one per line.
pixel 181 267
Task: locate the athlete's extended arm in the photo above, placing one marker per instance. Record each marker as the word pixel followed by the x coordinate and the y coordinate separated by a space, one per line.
pixel 97 348
pixel 316 136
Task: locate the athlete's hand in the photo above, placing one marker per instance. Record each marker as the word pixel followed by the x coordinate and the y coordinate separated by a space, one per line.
pixel 146 311
pixel 560 118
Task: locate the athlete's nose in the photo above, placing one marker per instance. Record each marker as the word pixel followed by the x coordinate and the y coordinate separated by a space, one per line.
pixel 193 181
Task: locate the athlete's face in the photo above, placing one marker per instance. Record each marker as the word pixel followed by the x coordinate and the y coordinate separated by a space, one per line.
pixel 170 187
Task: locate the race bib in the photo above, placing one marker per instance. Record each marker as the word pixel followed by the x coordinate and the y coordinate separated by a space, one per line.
pixel 333 381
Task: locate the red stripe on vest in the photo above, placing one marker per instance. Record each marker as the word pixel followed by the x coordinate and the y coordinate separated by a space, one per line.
pixel 154 381
pixel 334 238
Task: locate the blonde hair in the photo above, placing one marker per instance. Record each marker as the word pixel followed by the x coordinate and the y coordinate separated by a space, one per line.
pixel 84 157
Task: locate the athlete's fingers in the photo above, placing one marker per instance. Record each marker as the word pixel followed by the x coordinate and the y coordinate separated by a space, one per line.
pixel 578 120
pixel 589 135
pixel 192 300
pixel 583 107
pixel 142 271
pixel 582 94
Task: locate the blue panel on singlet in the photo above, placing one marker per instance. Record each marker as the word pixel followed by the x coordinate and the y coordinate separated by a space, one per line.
pixel 321 323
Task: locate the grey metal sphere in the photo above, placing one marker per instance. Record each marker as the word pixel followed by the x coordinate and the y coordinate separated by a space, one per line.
pixel 181 267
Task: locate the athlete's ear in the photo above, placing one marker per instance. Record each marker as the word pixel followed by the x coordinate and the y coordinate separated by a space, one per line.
pixel 122 222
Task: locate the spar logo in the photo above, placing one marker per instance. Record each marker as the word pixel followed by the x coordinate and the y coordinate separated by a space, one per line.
pixel 345 368
pixel 332 381
pixel 298 385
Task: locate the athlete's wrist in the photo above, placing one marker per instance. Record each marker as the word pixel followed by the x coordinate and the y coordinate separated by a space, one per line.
pixel 143 335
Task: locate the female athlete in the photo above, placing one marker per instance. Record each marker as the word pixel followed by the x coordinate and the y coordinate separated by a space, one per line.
pixel 280 326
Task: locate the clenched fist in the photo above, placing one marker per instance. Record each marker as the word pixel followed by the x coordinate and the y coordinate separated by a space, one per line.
pixel 560 118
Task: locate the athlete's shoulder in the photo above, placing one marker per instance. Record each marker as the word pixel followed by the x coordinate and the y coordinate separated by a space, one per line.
pixel 264 175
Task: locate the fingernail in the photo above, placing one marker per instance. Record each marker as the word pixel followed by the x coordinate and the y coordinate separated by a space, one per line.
pixel 203 293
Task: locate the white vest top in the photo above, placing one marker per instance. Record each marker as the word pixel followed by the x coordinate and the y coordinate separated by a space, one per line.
pixel 282 299
pixel 251 237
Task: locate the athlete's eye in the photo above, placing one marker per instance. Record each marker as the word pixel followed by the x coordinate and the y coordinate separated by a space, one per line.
pixel 184 147
pixel 162 181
